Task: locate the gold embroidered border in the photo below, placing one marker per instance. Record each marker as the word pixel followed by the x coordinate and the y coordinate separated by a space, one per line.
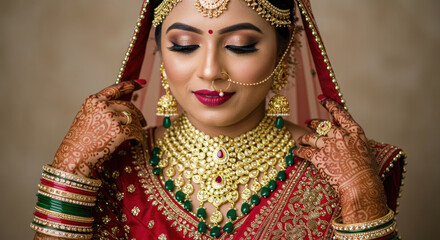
pixel 261 228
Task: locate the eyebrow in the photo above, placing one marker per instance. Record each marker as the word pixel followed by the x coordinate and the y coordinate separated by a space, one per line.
pixel 240 26
pixel 236 27
pixel 184 27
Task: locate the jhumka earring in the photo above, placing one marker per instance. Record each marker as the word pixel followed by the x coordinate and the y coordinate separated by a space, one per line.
pixel 167 105
pixel 278 104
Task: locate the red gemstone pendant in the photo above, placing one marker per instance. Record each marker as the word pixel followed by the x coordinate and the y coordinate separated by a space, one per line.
pixel 220 154
pixel 218 179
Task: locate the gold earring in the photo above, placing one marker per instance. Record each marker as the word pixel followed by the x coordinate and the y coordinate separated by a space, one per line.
pixel 167 105
pixel 278 104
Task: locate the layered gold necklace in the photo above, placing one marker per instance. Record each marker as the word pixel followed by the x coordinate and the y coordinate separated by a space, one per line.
pixel 220 165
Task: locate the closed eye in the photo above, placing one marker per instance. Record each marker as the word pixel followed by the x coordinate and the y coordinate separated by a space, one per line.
pixel 242 49
pixel 183 48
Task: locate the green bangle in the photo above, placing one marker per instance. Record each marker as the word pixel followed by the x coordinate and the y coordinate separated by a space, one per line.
pixel 63 207
pixel 53 201
pixel 63 211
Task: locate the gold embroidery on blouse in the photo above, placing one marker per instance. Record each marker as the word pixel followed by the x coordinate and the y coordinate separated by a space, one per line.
pixel 127 169
pixel 115 230
pixel 304 209
pixel 151 224
pixel 106 219
pixel 131 188
pixel 162 237
pixel 123 218
pixel 135 211
pixel 127 228
pixel 119 196
pixel 115 174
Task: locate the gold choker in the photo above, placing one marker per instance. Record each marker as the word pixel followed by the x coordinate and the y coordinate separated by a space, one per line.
pixel 220 165
pixel 214 8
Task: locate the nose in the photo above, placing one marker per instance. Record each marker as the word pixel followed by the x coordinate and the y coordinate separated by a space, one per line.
pixel 210 67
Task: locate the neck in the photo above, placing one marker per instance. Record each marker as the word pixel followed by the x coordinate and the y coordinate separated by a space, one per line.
pixel 246 124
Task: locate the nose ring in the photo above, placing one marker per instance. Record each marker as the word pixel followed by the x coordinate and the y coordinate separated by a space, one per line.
pixel 220 92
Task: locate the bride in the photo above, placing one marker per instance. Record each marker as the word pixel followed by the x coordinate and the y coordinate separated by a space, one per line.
pixel 218 160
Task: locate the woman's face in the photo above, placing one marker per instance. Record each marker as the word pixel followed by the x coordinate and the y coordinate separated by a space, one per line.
pixel 196 50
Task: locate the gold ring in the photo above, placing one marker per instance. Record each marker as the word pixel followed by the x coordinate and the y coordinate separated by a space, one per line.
pixel 128 115
pixel 323 128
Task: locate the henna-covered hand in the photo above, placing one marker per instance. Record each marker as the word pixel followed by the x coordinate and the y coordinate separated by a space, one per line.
pixel 343 157
pixel 99 128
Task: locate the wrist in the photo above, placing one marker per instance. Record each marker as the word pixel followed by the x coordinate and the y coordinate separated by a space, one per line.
pixel 363 199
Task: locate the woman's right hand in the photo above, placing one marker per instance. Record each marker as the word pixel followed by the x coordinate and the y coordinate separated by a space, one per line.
pixel 99 128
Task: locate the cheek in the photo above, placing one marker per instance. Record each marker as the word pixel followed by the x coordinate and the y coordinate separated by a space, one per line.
pixel 255 68
pixel 178 74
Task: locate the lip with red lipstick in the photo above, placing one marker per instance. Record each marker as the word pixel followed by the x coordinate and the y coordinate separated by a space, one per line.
pixel 212 98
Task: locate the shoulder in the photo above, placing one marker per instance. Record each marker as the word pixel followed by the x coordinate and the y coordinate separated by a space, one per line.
pixel 296 130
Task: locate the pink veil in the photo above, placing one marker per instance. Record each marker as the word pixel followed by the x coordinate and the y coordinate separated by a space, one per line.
pixel 311 73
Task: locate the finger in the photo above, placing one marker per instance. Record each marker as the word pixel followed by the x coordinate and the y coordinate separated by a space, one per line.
pixel 133 132
pixel 315 123
pixel 340 115
pixel 116 91
pixel 306 153
pixel 120 106
pixel 313 140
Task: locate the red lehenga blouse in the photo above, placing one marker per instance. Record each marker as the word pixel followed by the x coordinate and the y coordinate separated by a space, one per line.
pixel 133 203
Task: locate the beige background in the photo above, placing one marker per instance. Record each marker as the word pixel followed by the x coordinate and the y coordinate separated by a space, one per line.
pixel 54 53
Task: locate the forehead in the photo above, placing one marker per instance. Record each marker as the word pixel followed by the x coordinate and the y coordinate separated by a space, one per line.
pixel 236 11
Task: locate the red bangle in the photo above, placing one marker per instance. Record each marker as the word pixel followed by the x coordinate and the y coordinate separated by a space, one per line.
pixel 59 220
pixel 66 188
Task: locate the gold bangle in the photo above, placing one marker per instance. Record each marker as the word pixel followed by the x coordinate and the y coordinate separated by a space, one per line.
pixel 338 225
pixel 64 216
pixel 366 235
pixel 56 233
pixel 65 199
pixel 71 176
pixel 63 226
pixel 65 194
pixel 69 183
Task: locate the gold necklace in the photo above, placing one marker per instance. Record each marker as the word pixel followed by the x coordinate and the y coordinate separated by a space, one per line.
pixel 220 164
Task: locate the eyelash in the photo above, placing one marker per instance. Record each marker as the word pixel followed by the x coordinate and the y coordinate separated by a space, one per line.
pixel 236 49
pixel 183 48
pixel 250 48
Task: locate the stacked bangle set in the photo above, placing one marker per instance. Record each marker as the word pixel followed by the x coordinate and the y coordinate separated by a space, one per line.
pixel 64 207
pixel 382 228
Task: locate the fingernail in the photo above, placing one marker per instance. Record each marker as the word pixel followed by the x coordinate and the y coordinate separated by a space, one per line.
pixel 308 121
pixel 321 97
pixel 141 81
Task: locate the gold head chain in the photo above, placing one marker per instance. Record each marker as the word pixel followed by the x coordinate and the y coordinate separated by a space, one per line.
pixel 214 8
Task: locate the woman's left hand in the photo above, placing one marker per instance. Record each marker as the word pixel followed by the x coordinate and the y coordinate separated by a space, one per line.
pixel 343 157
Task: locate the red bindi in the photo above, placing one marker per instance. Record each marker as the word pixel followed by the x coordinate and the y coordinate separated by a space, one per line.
pixel 210 31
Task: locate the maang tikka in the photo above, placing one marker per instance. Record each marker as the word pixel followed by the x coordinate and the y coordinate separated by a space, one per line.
pixel 278 104
pixel 167 105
